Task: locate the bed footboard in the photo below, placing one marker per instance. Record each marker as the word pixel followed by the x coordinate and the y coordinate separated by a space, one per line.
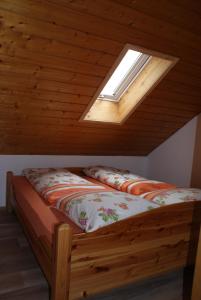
pixel 143 246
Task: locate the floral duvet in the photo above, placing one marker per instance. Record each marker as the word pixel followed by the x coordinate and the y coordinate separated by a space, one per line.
pixel 53 184
pixel 125 181
pixel 178 195
pixel 93 206
pixel 88 205
pixel 94 210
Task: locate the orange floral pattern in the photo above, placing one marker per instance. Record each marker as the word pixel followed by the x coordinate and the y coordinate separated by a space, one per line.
pixel 125 181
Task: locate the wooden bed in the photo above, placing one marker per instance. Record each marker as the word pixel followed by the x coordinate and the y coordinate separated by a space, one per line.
pixel 77 266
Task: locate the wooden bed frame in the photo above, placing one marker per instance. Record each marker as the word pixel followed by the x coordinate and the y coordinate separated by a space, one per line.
pixel 77 266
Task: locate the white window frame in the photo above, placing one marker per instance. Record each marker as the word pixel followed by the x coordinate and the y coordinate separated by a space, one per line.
pixel 128 79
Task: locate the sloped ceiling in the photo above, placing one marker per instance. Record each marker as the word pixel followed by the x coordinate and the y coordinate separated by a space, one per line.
pixel 55 53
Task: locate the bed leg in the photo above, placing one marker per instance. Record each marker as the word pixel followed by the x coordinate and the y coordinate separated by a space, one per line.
pixel 9 192
pixel 61 263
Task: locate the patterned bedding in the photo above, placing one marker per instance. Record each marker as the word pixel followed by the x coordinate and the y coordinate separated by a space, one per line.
pixel 95 210
pixel 125 181
pixel 88 205
pixel 53 184
pixel 178 195
pixel 92 206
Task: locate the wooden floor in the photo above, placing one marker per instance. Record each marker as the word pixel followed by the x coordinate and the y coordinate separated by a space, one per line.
pixel 21 277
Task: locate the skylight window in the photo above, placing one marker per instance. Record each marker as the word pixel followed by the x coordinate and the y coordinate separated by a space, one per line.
pixel 130 65
pixel 135 74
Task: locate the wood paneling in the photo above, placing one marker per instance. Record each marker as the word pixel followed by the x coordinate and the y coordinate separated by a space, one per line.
pixel 54 54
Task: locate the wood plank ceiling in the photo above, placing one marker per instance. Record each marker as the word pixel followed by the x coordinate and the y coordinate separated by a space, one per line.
pixel 55 53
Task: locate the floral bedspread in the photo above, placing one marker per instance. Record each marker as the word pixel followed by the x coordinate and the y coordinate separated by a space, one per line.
pixel 95 210
pixel 125 181
pixel 53 184
pixel 167 197
pixel 92 206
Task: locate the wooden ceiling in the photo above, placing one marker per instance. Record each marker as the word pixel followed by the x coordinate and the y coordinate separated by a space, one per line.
pixel 54 54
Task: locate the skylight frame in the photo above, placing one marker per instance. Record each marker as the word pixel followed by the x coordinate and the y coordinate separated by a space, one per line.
pixel 128 78
pixel 117 112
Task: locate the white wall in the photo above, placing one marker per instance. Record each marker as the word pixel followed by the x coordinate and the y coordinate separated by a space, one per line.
pixel 17 163
pixel 172 160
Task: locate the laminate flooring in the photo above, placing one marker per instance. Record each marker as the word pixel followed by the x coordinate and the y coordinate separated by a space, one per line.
pixel 22 279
